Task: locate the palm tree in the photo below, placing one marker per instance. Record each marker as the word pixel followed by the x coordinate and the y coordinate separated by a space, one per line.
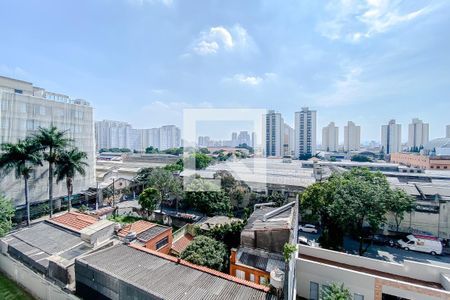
pixel 68 163
pixel 22 157
pixel 51 140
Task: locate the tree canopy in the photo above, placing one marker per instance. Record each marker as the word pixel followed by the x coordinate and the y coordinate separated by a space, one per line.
pixel 6 214
pixel 400 202
pixel 207 198
pixel 361 158
pixel 336 291
pixel 149 199
pixel 208 252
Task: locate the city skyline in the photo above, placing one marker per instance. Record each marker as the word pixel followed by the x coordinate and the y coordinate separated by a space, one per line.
pixel 351 62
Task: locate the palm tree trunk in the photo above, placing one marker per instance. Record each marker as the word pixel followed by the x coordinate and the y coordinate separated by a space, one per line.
pixel 27 202
pixel 50 182
pixel 69 192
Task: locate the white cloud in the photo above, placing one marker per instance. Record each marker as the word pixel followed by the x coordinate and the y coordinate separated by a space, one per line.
pixel 353 20
pixel 251 80
pixel 221 38
pixel 142 2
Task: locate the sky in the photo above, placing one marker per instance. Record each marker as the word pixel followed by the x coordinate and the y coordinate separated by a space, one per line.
pixel 144 61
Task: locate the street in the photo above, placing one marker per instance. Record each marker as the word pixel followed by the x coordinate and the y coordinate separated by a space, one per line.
pixel 386 253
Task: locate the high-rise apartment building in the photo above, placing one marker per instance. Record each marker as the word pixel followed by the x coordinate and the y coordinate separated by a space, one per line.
pixel 352 137
pixel 330 137
pixel 288 140
pixel 447 135
pixel 273 134
pixel 243 138
pixel 418 134
pixel 170 137
pixel 305 132
pixel 150 138
pixel 391 137
pixel 23 109
pixel 112 134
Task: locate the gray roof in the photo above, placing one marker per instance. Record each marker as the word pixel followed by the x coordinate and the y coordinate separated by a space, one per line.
pixel 281 220
pixel 151 276
pixel 150 233
pixel 36 244
pixel 260 259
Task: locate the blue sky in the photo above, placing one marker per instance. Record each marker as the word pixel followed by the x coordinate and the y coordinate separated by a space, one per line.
pixel 143 61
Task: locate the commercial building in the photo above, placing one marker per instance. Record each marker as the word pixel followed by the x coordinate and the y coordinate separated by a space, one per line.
pixel 273 134
pixel 418 134
pixel 135 272
pixel 391 137
pixel 330 138
pixel 23 109
pixel 305 132
pixel 261 249
pixel 421 161
pixel 366 278
pixel 352 137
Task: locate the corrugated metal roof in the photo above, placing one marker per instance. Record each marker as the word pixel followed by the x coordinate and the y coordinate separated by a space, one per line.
pixel 160 277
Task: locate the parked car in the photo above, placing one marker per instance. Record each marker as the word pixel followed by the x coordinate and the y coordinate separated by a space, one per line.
pixel 303 240
pixel 307 228
pixel 421 243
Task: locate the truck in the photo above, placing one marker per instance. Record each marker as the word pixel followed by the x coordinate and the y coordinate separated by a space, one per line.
pixel 421 243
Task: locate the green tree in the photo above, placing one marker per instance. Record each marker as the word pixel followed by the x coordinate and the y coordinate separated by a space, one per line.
pixel 359 199
pixel 178 166
pixel 207 198
pixel 336 291
pixel 207 252
pixel 278 198
pixel 361 158
pixel 22 157
pixel 67 164
pixel 201 160
pixel 151 150
pixel 149 199
pixel 6 214
pixel 399 203
pixel 229 234
pixel 51 140
pixel 164 181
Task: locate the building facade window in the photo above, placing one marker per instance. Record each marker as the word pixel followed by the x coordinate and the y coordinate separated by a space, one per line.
pixel 263 280
pixel 240 274
pixel 358 297
pixel 313 291
pixel 162 243
pixel 252 277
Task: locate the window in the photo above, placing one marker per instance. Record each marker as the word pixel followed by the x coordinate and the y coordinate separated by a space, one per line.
pixel 240 274
pixel 18 91
pixel 358 297
pixel 263 280
pixel 162 243
pixel 313 291
pixel 252 277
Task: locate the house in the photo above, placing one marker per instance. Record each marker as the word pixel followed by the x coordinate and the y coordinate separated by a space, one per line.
pixel 50 247
pixel 261 249
pixel 141 273
pixel 150 235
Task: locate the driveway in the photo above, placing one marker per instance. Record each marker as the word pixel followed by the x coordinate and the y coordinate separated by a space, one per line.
pixel 387 253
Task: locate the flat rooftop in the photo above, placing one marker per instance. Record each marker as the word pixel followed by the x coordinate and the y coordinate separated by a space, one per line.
pixel 161 276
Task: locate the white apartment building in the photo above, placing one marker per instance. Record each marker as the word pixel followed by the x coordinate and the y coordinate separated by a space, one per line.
pixel 289 140
pixel 447 134
pixel 391 137
pixel 273 134
pixel 25 108
pixel 112 134
pixel 170 137
pixel 330 137
pixel 305 132
pixel 150 137
pixel 418 134
pixel 352 137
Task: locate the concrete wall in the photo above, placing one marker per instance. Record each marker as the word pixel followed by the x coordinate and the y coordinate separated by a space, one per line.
pixel 34 283
pixel 369 285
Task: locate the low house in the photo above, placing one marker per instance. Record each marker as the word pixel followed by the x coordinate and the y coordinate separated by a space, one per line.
pixel 150 235
pixel 50 247
pixel 261 249
pixel 141 273
pixel 182 238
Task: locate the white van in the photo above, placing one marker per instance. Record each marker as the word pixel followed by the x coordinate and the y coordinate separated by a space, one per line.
pixel 421 243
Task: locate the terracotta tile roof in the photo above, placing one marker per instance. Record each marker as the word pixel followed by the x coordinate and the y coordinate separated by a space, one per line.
pixel 203 269
pixel 74 220
pixel 181 244
pixel 138 227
